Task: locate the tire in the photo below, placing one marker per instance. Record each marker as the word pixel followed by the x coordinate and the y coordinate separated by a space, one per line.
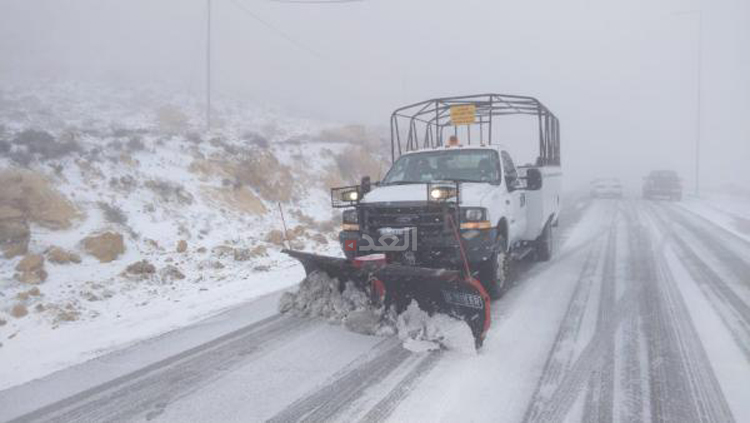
pixel 543 247
pixel 494 273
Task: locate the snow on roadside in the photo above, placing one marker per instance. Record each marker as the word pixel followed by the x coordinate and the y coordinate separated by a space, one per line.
pixel 730 212
pixel 198 214
pixel 39 350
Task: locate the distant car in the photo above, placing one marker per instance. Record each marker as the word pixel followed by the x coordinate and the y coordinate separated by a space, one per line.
pixel 662 184
pixel 606 188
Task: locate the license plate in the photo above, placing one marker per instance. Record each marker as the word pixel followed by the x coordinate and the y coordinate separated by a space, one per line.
pixel 463 299
pixel 395 231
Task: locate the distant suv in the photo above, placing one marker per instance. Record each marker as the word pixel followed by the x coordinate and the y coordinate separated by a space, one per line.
pixel 664 184
pixel 606 188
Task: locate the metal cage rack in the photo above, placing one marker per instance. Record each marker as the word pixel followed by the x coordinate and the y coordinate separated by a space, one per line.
pixel 425 122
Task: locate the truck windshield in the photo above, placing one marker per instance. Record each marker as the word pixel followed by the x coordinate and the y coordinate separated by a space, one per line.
pixel 452 165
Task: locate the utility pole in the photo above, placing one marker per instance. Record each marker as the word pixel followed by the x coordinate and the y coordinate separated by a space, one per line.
pixel 208 67
pixel 698 105
pixel 698 96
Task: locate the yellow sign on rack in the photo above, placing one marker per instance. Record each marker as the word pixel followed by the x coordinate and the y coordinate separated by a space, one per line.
pixel 465 114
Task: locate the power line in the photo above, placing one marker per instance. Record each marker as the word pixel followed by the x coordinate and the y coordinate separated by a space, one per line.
pixel 316 1
pixel 279 32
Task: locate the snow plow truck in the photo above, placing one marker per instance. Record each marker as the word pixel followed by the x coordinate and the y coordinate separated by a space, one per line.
pixel 445 223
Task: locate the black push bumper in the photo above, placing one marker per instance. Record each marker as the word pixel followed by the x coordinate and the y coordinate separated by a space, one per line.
pixel 429 250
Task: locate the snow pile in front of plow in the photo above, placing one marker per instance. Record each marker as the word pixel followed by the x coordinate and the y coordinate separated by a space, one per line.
pixel 319 296
pixel 423 332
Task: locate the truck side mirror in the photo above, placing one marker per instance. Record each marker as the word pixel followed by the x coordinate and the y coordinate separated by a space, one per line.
pixel 512 184
pixel 533 179
pixel 366 185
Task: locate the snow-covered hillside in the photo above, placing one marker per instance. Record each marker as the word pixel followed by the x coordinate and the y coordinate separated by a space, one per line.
pixel 121 218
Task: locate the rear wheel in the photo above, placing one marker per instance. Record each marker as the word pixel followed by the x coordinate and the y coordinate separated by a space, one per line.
pixel 543 247
pixel 495 271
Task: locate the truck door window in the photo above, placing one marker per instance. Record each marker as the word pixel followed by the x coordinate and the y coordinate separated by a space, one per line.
pixel 509 171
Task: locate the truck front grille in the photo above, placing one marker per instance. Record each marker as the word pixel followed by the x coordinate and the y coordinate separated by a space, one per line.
pixel 431 219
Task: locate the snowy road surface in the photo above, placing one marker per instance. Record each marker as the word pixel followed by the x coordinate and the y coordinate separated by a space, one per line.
pixel 642 315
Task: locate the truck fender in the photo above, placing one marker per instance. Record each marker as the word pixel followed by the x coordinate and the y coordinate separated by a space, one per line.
pixel 502 229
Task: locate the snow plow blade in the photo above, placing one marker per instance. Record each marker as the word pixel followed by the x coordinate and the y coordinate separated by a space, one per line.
pixel 435 290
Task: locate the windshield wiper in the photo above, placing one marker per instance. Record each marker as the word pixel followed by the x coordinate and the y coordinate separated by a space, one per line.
pixel 403 183
pixel 457 180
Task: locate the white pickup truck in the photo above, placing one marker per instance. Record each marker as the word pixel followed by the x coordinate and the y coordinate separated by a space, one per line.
pixel 502 211
pixel 451 214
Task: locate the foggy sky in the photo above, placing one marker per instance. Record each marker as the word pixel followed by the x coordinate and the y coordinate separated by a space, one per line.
pixel 620 75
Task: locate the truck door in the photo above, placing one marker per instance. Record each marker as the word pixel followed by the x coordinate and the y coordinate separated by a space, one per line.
pixel 517 197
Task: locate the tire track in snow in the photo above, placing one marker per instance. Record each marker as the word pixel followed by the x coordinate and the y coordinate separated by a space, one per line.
pixel 562 351
pixel 149 390
pixel 683 386
pixel 387 404
pixel 733 310
pixel 633 375
pixel 554 407
pixel 681 382
pixel 350 383
pixel 600 397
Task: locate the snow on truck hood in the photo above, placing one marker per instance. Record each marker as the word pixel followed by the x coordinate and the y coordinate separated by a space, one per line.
pixel 472 193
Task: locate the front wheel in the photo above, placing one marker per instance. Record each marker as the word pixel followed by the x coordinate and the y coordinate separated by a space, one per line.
pixel 495 271
pixel 543 247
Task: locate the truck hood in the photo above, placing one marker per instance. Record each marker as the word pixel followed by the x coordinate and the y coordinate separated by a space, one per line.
pixel 472 194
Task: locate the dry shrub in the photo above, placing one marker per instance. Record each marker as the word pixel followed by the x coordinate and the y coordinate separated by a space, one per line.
pixel 142 267
pixel 35 198
pixel 329 226
pixel 14 233
pixel 60 256
pixel 19 310
pixel 263 172
pixel 347 134
pixel 355 162
pixel 67 316
pixel 125 183
pixel 171 118
pixel 332 178
pixel 194 137
pixel 256 139
pixel 238 199
pixel 211 167
pixel 105 246
pixel 112 213
pixel 135 144
pixel 169 191
pixel 275 237
pixel 43 145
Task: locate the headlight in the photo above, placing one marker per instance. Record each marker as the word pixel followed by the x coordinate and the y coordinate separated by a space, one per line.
pixel 442 193
pixel 349 216
pixel 474 214
pixel 352 195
